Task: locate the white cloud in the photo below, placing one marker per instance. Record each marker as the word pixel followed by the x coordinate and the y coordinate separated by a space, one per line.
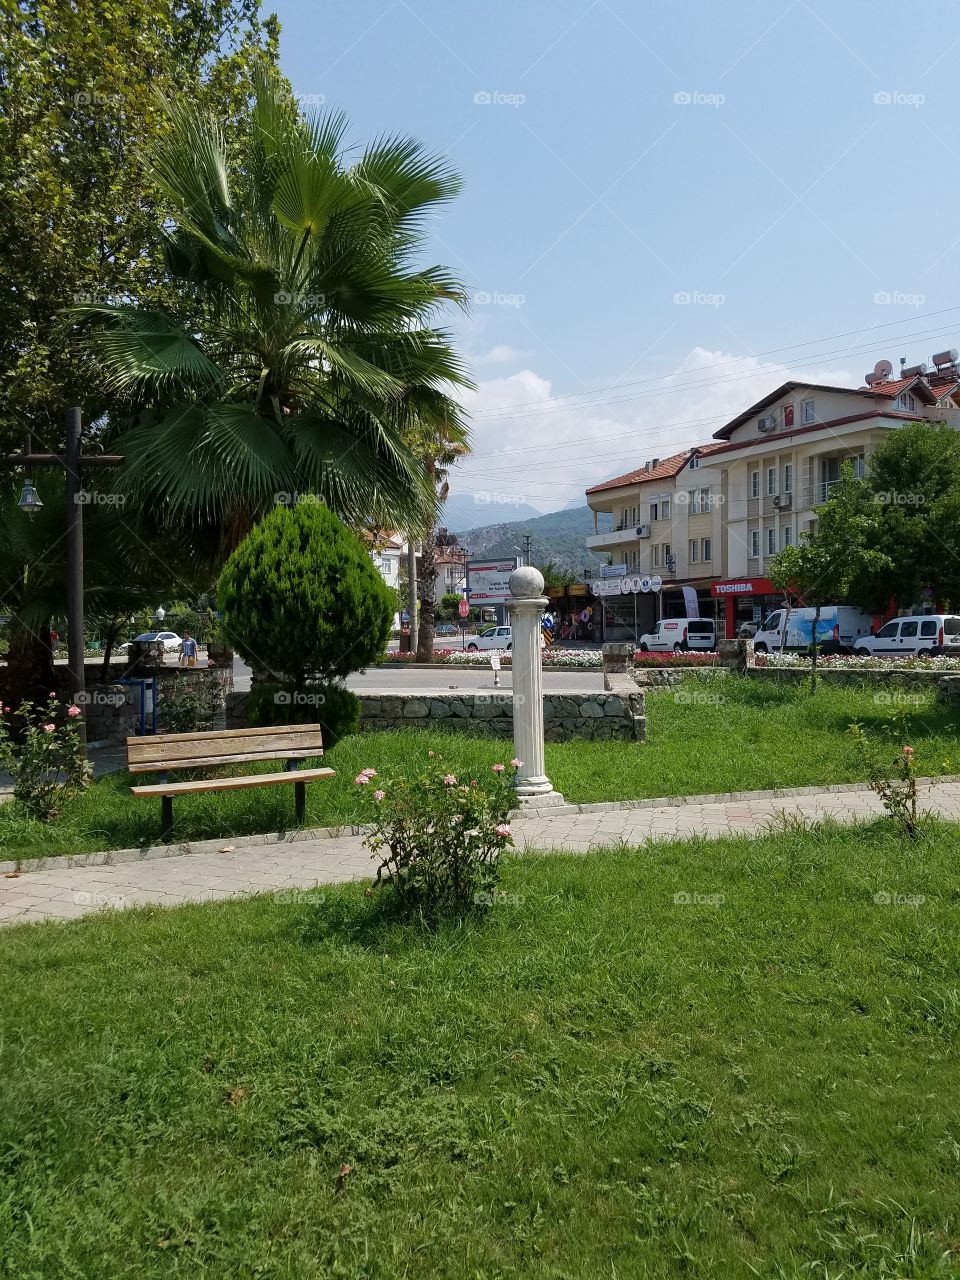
pixel 538 448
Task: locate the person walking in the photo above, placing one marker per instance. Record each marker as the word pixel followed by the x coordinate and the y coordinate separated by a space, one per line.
pixel 188 650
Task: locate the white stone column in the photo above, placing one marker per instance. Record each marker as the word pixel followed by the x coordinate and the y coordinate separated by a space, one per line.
pixel 525 609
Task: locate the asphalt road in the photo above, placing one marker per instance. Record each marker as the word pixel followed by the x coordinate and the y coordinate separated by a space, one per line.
pixel 445 679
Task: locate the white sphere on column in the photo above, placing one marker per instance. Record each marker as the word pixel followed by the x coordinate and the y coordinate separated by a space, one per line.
pixel 527 581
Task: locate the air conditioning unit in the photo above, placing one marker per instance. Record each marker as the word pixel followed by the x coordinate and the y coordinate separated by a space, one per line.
pixel 767 423
pixel 643 531
pixel 783 501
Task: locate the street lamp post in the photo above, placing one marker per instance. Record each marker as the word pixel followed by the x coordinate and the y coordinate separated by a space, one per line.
pixel 73 462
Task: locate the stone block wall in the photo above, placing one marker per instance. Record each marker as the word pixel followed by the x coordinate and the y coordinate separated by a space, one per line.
pixel 590 716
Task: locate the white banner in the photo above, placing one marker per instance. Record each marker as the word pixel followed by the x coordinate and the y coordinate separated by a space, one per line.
pixel 690 602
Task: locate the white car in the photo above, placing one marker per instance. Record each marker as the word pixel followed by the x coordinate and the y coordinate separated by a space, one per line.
pixel 169 639
pixel 918 636
pixel 678 635
pixel 492 638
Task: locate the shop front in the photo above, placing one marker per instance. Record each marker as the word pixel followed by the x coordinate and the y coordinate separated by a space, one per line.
pixel 744 600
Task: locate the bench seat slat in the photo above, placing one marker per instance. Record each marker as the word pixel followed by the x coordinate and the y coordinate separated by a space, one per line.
pixel 207 762
pixel 236 744
pixel 231 784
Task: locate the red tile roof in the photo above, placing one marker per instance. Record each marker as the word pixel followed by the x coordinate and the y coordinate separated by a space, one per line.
pixel 665 468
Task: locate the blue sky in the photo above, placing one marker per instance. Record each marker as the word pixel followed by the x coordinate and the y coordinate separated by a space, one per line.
pixel 673 197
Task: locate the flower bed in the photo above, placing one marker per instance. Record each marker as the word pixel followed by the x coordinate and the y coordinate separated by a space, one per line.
pixel 675 659
pixel 844 662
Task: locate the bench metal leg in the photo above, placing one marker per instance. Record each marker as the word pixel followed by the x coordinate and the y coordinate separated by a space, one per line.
pixel 166 818
pixel 300 802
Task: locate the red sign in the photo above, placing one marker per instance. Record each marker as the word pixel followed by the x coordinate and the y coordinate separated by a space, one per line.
pixel 742 587
pixel 463 609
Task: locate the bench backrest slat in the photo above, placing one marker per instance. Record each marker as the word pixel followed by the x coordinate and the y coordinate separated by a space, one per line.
pixel 232 746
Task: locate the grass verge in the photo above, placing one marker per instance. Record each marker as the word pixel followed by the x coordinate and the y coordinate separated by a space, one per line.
pixel 713 1059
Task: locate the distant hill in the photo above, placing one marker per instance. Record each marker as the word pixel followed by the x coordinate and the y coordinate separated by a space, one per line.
pixel 558 538
pixel 470 511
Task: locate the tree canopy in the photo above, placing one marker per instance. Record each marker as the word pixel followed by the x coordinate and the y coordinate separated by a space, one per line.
pixel 303 358
pixel 78 211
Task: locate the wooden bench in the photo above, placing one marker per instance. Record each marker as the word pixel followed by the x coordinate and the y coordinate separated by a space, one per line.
pixel 164 752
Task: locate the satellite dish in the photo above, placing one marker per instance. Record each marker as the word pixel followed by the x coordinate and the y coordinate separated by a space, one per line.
pixel 883 369
pixel 871 378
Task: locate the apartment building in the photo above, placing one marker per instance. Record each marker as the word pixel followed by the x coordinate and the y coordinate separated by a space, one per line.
pixel 758 485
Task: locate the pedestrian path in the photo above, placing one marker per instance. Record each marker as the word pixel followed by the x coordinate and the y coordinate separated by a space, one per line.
pixel 239 869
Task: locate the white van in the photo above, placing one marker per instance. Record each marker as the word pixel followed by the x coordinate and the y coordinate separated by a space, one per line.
pixel 839 625
pixel 918 636
pixel 678 635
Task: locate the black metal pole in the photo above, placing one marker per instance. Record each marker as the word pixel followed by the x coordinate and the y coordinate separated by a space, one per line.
pixel 75 644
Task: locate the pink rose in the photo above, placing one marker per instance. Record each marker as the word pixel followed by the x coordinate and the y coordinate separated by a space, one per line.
pixel 449 780
pixel 51 695
pixel 430 753
pixel 73 711
pixel 908 751
pixel 49 728
pixel 379 795
pixel 361 779
pixel 498 768
pixel 503 830
pixel 515 763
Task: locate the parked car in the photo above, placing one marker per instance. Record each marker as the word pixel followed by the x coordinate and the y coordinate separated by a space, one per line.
pixel 839 629
pixel 446 629
pixel 678 635
pixel 492 638
pixel 169 639
pixel 747 630
pixel 916 636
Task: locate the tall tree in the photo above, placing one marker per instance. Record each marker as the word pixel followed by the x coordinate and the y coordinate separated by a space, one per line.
pixel 307 356
pixel 823 568
pixel 914 482
pixel 78 212
pixel 440 439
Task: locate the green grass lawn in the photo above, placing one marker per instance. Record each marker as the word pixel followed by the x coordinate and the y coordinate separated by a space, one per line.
pixel 708 736
pixel 600 1081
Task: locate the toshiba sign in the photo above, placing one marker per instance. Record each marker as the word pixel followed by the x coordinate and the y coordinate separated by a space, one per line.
pixel 743 587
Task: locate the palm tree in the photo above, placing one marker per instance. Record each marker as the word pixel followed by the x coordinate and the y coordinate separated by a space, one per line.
pixel 440 442
pixel 305 345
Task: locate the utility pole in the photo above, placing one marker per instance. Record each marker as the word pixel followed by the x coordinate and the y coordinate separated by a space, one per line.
pixel 526 548
pixel 75 642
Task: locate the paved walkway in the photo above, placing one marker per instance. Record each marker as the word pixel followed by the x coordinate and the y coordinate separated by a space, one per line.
pixel 63 893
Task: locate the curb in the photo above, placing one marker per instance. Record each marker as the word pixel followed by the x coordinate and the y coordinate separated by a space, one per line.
pixel 120 857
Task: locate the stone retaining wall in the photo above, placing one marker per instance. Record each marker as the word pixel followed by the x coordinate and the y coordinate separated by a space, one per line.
pixel 590 716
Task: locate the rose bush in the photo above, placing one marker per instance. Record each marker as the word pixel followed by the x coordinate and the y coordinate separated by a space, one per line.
pixel 439 838
pixel 46 758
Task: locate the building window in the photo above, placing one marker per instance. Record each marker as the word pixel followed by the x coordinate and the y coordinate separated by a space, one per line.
pixel 788 478
pixel 771 541
pixel 787 535
pixel 693 551
pixel 694 462
pixel 654 512
pixel 667 555
pixel 664 508
pixel 705 503
pixel 623 522
pixel 754 484
pixel 788 415
pixel 693 501
pixel 755 542
pixel 906 401
pixel 654 557
pixel 771 481
pixel 808 411
pixel 859 466
pixel 706 549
